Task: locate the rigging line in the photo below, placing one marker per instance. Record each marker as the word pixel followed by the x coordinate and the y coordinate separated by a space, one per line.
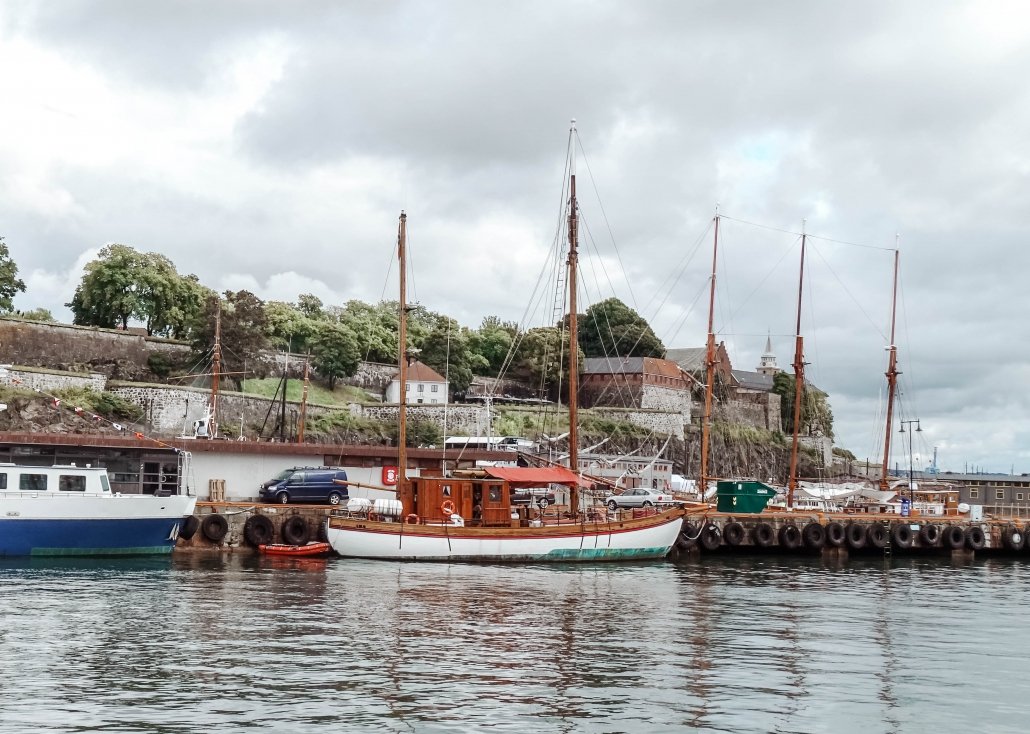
pixel 757 288
pixel 700 292
pixel 409 253
pixel 615 343
pixel 604 217
pixel 909 373
pixel 676 273
pixel 810 235
pixel 850 294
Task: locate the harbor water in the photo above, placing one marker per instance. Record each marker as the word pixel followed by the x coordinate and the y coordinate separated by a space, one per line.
pixel 729 644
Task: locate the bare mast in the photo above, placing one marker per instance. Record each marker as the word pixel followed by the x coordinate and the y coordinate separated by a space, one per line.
pixel 402 366
pixel 799 383
pixel 216 366
pixel 706 419
pixel 892 380
pixel 573 264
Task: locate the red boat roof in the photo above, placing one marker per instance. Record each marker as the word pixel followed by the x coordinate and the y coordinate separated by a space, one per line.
pixel 536 476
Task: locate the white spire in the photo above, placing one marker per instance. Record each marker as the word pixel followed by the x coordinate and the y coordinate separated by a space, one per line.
pixel 768 365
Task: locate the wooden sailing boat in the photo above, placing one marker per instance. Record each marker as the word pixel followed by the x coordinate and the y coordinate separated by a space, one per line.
pixel 471 518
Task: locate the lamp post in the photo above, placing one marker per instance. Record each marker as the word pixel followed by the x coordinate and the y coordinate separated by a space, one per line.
pixel 911 497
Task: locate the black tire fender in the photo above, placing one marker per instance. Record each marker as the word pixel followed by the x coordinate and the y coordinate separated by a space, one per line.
pixel 711 537
pixel 1011 537
pixel 733 533
pixel 190 526
pixel 975 537
pixel 762 534
pixel 835 535
pixel 856 535
pixel 258 530
pixel 877 535
pixel 813 535
pixel 930 535
pixel 902 536
pixel 790 536
pixel 294 530
pixel 214 527
pixel 954 537
pixel 688 536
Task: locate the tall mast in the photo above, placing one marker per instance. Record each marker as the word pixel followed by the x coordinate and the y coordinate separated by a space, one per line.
pixel 216 365
pixel 706 419
pixel 892 378
pixel 402 363
pixel 573 331
pixel 799 382
pixel 303 405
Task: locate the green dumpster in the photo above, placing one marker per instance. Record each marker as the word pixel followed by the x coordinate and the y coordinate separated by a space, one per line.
pixel 743 496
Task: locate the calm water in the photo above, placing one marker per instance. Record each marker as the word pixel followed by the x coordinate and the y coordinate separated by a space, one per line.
pixel 735 645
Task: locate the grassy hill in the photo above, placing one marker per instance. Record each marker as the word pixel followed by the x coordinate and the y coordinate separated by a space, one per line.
pixel 317 394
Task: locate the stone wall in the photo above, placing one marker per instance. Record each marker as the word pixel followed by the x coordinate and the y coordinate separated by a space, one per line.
pixel 115 353
pixel 654 397
pixel 172 410
pixel 758 410
pixel 373 376
pixel 51 380
pixel 660 421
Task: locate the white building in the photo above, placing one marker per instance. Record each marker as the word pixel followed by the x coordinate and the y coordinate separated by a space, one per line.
pixel 425 385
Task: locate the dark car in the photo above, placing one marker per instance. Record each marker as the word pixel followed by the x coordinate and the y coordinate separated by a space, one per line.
pixel 538 497
pixel 306 484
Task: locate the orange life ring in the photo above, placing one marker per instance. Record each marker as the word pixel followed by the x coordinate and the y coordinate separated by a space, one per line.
pixel 411 519
pixel 447 508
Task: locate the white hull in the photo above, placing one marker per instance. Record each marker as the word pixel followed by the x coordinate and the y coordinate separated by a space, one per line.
pixel 635 539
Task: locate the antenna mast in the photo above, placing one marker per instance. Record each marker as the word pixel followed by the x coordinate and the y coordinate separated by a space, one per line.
pixel 573 263
pixel 402 359
pixel 706 419
pixel 799 382
pixel 216 365
pixel 892 377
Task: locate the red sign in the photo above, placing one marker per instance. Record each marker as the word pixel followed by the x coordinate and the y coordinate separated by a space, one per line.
pixel 389 475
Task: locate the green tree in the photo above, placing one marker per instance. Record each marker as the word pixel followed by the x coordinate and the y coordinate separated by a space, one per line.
pixel 10 283
pixel 311 306
pixel 36 314
pixel 541 361
pixel 334 351
pixel 243 327
pixel 611 328
pixel 492 343
pixel 816 416
pixel 123 284
pixel 107 295
pixel 375 328
pixel 446 350
pixel 289 328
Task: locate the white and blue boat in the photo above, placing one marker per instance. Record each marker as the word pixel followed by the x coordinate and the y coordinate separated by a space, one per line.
pixel 71 511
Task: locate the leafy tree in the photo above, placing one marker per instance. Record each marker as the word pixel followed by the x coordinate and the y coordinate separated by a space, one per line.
pixel 10 283
pixel 36 314
pixel 334 350
pixel 311 306
pixel 446 350
pixel 541 363
pixel 375 328
pixel 492 344
pixel 611 328
pixel 289 328
pixel 123 284
pixel 243 330
pixel 107 295
pixel 816 416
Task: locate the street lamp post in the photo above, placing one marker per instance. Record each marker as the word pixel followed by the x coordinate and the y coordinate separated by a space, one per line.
pixel 911 497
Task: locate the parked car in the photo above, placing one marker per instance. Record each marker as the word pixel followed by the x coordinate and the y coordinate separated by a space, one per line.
pixel 539 497
pixel 639 497
pixel 306 484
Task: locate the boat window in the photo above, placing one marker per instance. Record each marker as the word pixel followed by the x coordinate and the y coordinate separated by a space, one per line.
pixel 32 482
pixel 66 483
pixel 495 492
pixel 104 483
pixel 3 480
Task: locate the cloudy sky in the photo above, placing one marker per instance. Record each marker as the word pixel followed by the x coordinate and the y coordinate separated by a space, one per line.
pixel 271 145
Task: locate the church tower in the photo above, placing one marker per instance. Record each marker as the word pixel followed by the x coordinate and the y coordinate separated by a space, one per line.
pixel 768 365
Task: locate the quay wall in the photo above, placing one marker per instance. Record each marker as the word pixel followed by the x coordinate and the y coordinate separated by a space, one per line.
pixel 51 380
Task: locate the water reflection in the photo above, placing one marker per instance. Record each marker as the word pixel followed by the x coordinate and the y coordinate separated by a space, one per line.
pixel 744 643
